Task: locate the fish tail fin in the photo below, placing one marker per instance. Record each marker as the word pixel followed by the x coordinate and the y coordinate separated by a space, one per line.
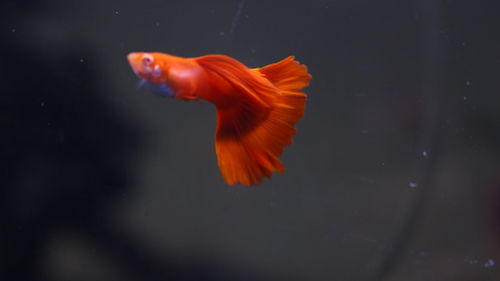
pixel 290 77
pixel 251 137
pixel 287 75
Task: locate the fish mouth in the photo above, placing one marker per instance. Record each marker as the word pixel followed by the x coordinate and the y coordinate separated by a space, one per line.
pixel 133 57
pixel 134 61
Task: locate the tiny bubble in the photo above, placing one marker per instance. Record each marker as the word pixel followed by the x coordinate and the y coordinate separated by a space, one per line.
pixel 117 12
pixel 413 184
pixel 82 60
pixel 13 30
pixel 467 83
pixel 221 33
pixel 424 154
pixel 465 97
pixel 42 104
pixel 383 163
pixel 157 24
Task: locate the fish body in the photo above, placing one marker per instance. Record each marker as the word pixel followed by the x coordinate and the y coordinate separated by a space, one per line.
pixel 256 108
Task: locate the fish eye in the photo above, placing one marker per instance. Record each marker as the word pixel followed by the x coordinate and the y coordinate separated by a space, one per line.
pixel 147 59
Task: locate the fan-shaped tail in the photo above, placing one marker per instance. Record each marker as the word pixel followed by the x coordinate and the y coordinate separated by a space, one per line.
pixel 251 138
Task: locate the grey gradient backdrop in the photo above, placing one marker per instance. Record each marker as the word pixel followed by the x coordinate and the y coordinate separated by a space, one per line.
pixel 394 174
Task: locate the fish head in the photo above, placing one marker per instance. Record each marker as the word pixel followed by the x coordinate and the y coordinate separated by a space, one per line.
pixel 166 75
pixel 148 66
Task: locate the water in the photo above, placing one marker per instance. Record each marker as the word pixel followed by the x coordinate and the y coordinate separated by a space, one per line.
pixel 393 174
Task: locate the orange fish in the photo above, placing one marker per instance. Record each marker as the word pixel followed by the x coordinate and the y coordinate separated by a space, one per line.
pixel 256 108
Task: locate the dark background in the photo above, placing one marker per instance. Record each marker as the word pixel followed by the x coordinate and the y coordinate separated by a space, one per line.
pixel 394 174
